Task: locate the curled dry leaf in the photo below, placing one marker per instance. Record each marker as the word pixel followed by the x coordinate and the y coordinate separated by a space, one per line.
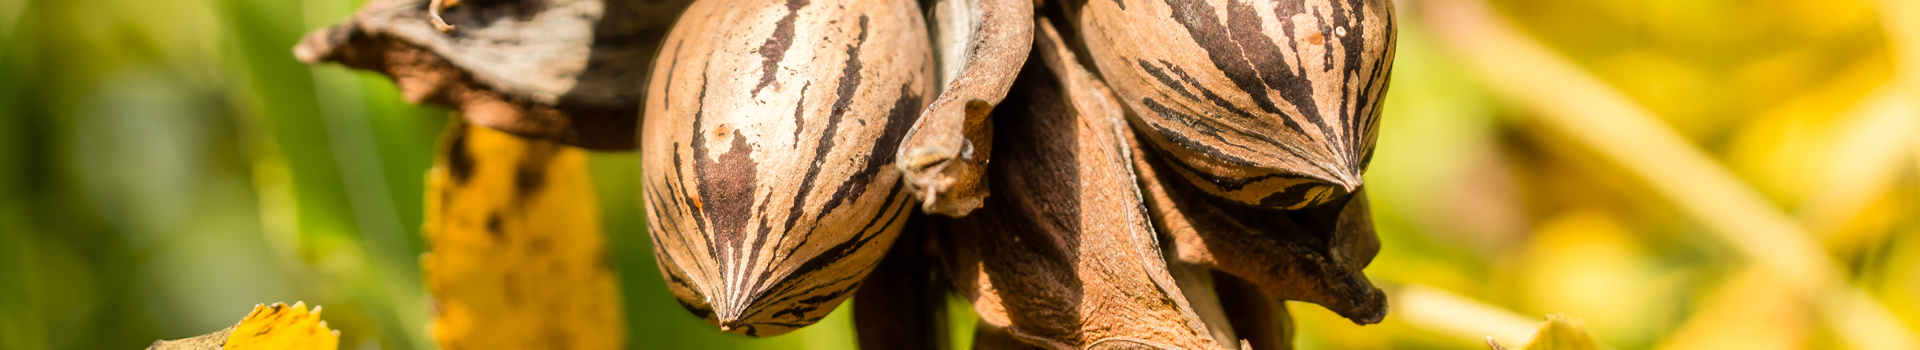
pixel 768 150
pixel 902 304
pixel 1196 282
pixel 276 327
pixel 1259 321
pixel 981 45
pixel 564 70
pixel 1268 103
pixel 1063 255
pixel 516 256
pixel 990 336
pixel 1314 254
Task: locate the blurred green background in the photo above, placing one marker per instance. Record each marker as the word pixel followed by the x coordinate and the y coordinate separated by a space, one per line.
pixel 1677 173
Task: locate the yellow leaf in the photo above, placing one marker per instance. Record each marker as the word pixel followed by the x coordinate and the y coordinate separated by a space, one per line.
pixel 517 259
pixel 276 327
pixel 279 327
pixel 1558 333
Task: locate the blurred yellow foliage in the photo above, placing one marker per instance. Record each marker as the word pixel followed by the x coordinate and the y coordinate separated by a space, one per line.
pixel 1558 333
pixel 517 259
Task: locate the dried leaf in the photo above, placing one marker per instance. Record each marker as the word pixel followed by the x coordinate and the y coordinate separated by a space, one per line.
pixel 517 258
pixel 1314 254
pixel 1261 322
pixel 902 304
pixel 988 336
pixel 1272 103
pixel 276 327
pixel 769 153
pixel 981 45
pixel 1063 256
pixel 565 70
pixel 1197 284
pixel 1558 333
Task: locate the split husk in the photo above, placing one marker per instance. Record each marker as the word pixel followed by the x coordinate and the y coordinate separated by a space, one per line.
pixel 981 45
pixel 1314 255
pixel 1063 256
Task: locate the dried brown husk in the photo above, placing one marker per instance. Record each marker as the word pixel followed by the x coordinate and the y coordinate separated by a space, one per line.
pixel 981 45
pixel 902 304
pixel 1270 103
pixel 1259 321
pixel 1063 255
pixel 565 70
pixel 1314 255
pixel 770 184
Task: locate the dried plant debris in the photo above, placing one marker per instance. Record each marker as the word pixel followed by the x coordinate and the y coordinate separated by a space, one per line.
pixel 276 327
pixel 566 70
pixel 980 46
pixel 902 304
pixel 516 256
pixel 768 151
pixel 1268 103
pixel 1259 321
pixel 1063 255
pixel 1314 254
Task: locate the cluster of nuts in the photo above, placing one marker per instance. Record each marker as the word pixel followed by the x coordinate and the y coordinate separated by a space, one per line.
pixel 1089 173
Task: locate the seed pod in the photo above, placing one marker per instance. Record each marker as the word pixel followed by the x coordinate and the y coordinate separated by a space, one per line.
pixel 1314 254
pixel 1063 255
pixel 768 150
pixel 1269 103
pixel 981 44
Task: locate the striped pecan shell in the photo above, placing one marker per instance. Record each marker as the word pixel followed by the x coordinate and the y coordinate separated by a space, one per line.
pixel 1271 103
pixel 768 153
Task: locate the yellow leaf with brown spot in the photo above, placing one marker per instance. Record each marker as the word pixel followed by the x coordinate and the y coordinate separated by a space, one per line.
pixel 517 259
pixel 283 328
pixel 276 327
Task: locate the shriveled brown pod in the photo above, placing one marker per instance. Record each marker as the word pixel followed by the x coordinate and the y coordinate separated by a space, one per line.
pixel 565 70
pixel 1259 321
pixel 980 45
pixel 1314 254
pixel 1271 103
pixel 768 153
pixel 1063 250
pixel 902 304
